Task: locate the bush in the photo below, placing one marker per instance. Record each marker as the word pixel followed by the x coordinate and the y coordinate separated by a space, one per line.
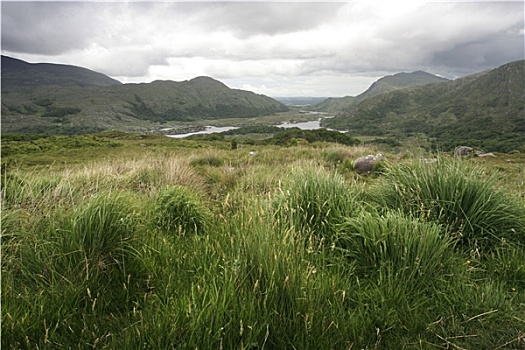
pixel 179 210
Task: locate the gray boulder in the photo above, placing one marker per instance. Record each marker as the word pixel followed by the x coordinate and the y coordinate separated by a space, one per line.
pixel 364 165
pixel 463 151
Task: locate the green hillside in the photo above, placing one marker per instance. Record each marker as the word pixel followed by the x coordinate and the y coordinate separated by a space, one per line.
pixel 18 73
pixel 381 86
pixel 484 110
pixel 49 107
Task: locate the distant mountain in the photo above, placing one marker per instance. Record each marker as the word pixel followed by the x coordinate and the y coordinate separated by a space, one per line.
pixel 300 101
pixel 78 100
pixel 198 98
pixel 385 84
pixel 18 73
pixel 400 81
pixel 483 110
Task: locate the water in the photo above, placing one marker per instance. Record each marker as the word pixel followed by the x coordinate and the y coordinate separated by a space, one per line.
pixel 310 125
pixel 207 130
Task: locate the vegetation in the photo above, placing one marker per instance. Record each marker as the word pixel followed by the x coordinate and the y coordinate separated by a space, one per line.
pixel 483 110
pixel 17 73
pixel 292 135
pixel 51 98
pixel 383 85
pixel 164 243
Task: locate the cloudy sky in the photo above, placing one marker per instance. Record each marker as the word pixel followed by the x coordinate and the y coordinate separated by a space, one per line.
pixel 273 48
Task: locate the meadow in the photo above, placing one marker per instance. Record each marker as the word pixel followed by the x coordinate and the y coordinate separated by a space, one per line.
pixel 126 241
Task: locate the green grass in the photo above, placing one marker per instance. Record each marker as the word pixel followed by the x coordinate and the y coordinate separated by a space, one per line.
pixel 314 201
pixel 164 247
pixel 459 196
pixel 180 211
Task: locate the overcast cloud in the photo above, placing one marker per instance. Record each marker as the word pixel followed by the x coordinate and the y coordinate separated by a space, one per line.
pixel 273 48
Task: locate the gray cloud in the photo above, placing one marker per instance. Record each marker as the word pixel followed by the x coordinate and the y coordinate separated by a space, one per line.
pixel 248 19
pixel 47 28
pixel 478 55
pixel 299 44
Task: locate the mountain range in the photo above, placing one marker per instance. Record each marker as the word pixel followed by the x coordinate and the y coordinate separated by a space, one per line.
pixel 385 84
pixel 67 99
pixel 484 110
pixel 18 73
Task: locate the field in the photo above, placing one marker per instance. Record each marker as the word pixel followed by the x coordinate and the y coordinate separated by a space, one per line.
pixel 126 241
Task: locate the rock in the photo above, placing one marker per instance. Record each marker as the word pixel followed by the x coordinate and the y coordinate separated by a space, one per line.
pixel 463 151
pixel 364 165
pixel 486 155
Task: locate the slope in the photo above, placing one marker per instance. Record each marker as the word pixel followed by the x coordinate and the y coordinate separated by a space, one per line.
pixel 483 110
pixel 385 84
pixel 36 103
pixel 18 73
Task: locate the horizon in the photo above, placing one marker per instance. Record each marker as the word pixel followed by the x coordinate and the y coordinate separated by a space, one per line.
pixel 271 48
pixel 272 96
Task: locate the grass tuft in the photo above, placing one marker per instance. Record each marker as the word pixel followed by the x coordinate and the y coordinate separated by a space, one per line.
pixel 181 211
pixel 313 202
pixel 458 196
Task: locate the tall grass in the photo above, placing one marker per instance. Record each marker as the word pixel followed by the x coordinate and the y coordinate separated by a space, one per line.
pixel 179 210
pixel 270 251
pixel 314 201
pixel 458 196
pixel 411 250
pixel 87 265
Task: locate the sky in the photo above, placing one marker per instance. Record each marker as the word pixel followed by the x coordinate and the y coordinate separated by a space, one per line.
pixel 270 47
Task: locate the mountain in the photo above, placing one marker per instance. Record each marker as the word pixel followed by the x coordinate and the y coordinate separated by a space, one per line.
pixel 385 84
pixel 483 110
pixel 300 101
pixel 18 73
pixel 78 100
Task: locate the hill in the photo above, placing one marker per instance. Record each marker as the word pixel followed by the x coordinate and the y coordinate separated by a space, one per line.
pixel 483 110
pixel 18 73
pixel 385 84
pixel 302 101
pixel 37 103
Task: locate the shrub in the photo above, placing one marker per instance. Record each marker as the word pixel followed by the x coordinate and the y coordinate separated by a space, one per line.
pixel 460 197
pixel 179 210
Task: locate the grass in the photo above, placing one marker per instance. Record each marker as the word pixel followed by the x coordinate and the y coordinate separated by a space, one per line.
pixel 458 196
pixel 180 211
pixel 181 245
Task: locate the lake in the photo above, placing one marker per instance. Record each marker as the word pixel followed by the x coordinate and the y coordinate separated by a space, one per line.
pixel 309 125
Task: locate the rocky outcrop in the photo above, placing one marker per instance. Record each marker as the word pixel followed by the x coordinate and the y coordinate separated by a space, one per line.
pixel 364 165
pixel 463 151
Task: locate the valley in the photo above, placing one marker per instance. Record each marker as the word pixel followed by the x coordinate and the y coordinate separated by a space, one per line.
pixel 405 107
